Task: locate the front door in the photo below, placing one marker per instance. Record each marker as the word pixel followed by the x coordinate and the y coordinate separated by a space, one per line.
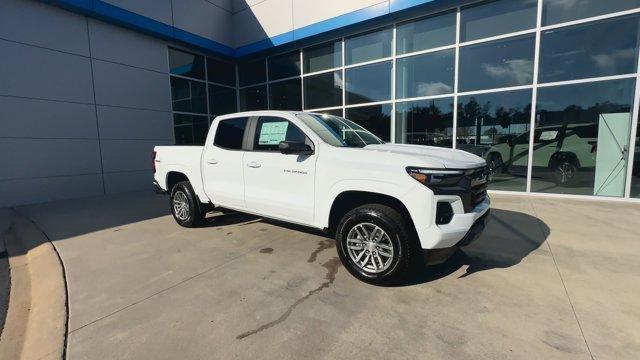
pixel 279 185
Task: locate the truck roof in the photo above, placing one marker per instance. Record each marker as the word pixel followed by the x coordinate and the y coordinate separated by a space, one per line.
pixel 259 113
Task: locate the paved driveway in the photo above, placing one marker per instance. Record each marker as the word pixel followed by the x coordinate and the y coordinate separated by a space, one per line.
pixel 548 279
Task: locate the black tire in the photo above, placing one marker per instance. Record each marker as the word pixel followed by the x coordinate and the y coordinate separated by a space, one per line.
pixel 564 172
pixel 404 244
pixel 495 163
pixel 195 214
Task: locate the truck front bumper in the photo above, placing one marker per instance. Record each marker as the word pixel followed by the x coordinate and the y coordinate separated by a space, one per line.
pixel 438 256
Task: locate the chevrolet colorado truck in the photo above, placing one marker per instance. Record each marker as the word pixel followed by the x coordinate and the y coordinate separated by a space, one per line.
pixel 386 204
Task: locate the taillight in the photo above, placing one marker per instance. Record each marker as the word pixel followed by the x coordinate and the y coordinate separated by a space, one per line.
pixel 153 161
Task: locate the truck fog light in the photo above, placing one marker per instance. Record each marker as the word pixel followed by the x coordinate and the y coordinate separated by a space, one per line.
pixel 444 213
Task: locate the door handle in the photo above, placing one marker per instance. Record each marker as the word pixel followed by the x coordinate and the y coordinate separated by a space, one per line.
pixel 254 164
pixel 212 161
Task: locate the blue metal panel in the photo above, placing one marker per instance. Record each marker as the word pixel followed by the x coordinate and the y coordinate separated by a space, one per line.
pixel 117 15
pixel 104 11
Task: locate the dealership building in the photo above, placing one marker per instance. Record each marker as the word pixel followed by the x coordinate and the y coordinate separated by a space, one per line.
pixel 547 91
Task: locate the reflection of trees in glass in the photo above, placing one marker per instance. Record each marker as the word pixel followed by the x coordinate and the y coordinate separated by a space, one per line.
pixel 575 114
pixel 427 122
pixel 473 117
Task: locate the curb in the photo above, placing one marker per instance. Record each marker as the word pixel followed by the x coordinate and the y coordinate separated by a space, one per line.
pixel 36 322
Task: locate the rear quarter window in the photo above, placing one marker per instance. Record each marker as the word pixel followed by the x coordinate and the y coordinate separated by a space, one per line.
pixel 230 133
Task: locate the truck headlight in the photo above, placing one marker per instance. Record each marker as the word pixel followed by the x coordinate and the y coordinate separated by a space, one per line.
pixel 435 177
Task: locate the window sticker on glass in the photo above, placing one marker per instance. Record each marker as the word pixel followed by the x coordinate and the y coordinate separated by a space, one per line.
pixel 548 135
pixel 272 133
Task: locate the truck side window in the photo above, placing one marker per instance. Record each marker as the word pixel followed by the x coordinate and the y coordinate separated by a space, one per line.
pixel 229 133
pixel 270 131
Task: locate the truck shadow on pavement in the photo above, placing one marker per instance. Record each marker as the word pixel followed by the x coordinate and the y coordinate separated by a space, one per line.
pixel 509 237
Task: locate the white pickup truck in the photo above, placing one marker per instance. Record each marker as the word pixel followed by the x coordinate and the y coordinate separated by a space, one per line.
pixel 385 203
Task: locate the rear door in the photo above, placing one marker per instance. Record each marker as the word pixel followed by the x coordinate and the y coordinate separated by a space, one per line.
pixel 222 171
pixel 276 184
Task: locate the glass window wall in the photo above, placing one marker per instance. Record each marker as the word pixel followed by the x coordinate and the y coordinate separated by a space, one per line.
pixel 425 122
pixel 323 57
pixel 286 95
pixel 375 118
pixel 589 50
pixel 284 66
pixel 369 46
pixel 496 18
pixel 559 11
pixel 495 126
pixel 581 138
pixel 427 33
pixel 253 98
pixel 323 90
pixel 501 63
pixel 369 83
pixel 425 75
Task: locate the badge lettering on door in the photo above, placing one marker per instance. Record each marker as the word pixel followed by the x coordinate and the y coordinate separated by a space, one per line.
pixel 287 171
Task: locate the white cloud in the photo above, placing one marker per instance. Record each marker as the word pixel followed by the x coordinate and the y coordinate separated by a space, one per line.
pixel 608 62
pixel 433 88
pixel 518 71
pixel 565 4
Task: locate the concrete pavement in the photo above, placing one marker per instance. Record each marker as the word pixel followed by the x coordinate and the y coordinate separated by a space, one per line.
pixel 548 279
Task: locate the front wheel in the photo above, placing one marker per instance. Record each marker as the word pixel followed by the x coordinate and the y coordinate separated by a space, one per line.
pixel 375 245
pixel 185 207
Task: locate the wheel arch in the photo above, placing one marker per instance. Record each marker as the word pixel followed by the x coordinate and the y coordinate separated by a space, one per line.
pixel 174 177
pixel 561 156
pixel 350 199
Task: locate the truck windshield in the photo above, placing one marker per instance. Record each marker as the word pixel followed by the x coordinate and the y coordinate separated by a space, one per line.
pixel 339 131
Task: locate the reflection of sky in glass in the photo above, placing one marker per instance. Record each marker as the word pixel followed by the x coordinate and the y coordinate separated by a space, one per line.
pixel 497 17
pixel 589 50
pixel 558 98
pixel 370 46
pixel 369 83
pixel 425 75
pixel 497 64
pixel 557 11
pixel 426 33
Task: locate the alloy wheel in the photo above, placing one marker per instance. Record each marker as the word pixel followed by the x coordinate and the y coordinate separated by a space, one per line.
pixel 370 248
pixel 180 205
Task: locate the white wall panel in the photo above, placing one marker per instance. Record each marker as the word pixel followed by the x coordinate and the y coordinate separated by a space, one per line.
pixel 263 20
pixel 205 19
pixel 310 12
pixel 36 23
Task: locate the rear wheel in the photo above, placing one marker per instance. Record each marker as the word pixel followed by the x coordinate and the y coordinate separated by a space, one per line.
pixel 564 172
pixel 185 207
pixel 375 245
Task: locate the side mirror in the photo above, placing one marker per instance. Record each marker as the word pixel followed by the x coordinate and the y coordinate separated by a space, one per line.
pixel 294 147
pixel 510 142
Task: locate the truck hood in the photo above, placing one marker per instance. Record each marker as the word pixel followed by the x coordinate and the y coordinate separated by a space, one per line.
pixel 430 155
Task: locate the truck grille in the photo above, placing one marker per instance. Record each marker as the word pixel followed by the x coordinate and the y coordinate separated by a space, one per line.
pixel 477 188
pixel 471 188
